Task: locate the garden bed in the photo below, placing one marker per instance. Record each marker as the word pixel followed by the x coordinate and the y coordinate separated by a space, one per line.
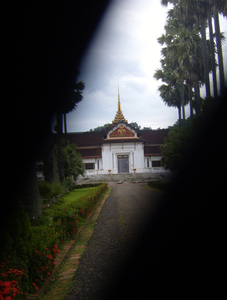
pixel 25 273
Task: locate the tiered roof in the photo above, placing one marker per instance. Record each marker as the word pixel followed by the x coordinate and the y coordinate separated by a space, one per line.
pixel 89 144
pixel 119 115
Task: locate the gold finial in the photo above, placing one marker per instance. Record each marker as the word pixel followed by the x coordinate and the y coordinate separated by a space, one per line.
pixel 119 115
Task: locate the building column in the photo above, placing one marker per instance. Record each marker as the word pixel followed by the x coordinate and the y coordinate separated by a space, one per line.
pixel 131 163
pixel 115 162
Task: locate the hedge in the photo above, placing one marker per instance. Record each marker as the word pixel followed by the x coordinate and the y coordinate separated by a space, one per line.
pixel 28 256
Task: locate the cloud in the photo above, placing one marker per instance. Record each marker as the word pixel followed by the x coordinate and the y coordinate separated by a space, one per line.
pixel 124 50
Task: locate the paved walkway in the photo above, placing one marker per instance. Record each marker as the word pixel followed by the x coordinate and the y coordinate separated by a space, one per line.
pixel 148 247
pixel 118 231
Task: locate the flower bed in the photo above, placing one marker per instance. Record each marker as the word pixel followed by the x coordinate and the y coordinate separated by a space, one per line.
pixel 19 277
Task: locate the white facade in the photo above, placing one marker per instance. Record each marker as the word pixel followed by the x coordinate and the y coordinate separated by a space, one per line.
pixel 122 151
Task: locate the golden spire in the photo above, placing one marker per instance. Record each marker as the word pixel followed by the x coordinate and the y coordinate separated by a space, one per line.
pixel 119 115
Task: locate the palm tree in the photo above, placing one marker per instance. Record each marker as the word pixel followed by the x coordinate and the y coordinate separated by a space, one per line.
pixel 219 6
pixel 212 52
pixel 184 47
pixel 188 13
pixel 170 91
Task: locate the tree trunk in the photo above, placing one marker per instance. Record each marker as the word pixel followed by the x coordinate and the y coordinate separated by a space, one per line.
pixel 219 49
pixel 65 127
pixel 182 101
pixel 29 195
pixel 212 53
pixel 190 97
pixel 179 115
pixel 60 163
pixel 48 160
pixel 197 96
pixel 205 58
pixel 55 165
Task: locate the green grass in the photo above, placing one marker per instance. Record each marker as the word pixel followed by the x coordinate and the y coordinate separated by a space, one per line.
pixel 64 202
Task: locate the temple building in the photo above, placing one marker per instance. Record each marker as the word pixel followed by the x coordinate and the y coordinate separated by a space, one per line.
pixel 120 149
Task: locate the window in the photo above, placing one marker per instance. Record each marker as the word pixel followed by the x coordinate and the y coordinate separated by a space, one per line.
pixel 98 164
pixel 89 166
pixel 156 163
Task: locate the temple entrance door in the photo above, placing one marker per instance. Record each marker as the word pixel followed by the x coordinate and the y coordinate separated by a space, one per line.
pixel 123 164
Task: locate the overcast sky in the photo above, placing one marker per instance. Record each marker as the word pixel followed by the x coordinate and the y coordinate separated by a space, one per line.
pixel 124 50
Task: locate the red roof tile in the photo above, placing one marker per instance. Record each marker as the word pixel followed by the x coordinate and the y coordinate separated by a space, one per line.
pixel 154 136
pixel 94 152
pixel 150 150
pixel 95 138
pixel 81 139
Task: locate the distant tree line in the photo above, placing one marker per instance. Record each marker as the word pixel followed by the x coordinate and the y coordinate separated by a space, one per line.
pixel 107 125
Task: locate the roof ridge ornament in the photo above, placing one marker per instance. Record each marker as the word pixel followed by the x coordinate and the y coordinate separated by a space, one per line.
pixel 119 115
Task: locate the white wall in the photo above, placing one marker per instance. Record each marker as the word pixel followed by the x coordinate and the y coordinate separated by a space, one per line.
pixel 137 160
pixel 133 150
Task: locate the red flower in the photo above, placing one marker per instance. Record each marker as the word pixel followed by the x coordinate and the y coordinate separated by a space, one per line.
pixel 6 290
pixel 6 284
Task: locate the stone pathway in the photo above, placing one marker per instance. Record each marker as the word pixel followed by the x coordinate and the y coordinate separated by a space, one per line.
pixel 117 232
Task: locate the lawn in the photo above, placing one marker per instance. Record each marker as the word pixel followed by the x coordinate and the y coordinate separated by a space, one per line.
pixel 65 201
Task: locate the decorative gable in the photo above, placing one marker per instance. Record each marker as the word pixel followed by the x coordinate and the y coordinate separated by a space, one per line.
pixel 121 130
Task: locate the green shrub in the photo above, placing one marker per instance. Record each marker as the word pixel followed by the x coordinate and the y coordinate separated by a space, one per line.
pixel 29 253
pixel 44 189
pixel 56 190
pixel 14 280
pixel 69 183
pixel 84 185
pixel 15 251
pixel 44 248
pixel 16 238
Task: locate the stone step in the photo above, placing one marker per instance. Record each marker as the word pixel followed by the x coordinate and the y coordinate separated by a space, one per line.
pixel 133 177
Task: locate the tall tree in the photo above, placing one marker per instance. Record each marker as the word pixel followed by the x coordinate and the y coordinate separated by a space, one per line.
pixel 212 50
pixel 220 6
pixel 29 196
pixel 183 52
pixel 71 99
pixel 59 152
pixel 72 161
